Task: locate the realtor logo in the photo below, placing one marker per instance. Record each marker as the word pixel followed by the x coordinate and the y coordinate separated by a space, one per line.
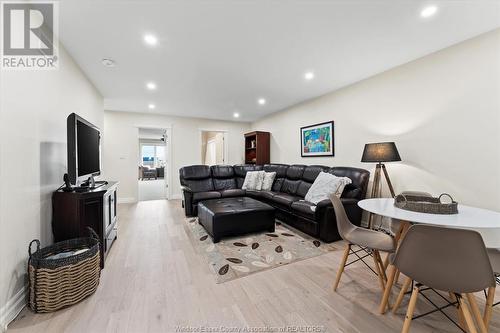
pixel 29 37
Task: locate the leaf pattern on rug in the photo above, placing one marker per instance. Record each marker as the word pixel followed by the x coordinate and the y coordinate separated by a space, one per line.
pixel 203 238
pixel 259 264
pixel 234 260
pixel 269 258
pixel 257 251
pixel 272 235
pixel 243 269
pixel 278 249
pixel 317 243
pixel 224 269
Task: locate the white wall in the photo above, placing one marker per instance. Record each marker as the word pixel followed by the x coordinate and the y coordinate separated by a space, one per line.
pixel 443 112
pixel 121 149
pixel 33 110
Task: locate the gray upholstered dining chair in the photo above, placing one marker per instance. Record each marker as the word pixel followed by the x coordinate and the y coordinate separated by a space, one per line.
pixel 445 259
pixel 494 255
pixel 370 243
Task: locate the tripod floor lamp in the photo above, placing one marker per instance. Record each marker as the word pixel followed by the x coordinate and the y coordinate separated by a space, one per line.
pixel 379 153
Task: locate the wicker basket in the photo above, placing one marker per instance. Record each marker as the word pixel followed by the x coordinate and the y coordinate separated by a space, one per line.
pixel 58 283
pixel 426 204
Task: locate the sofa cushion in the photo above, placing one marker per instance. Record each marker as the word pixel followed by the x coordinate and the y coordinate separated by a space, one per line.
pixel 312 171
pixel 290 186
pixel 197 197
pixel 303 188
pixel 295 171
pixel 267 182
pixel 324 185
pixel 195 172
pixel 280 170
pixel 197 178
pixel 232 193
pixel 284 199
pixel 304 208
pixel 240 172
pixel 222 171
pixel 359 177
pixel 253 180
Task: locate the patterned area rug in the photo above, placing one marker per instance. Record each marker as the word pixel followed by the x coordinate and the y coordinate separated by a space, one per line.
pixel 237 257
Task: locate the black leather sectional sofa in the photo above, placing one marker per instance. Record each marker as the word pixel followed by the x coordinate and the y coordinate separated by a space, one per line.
pixel 200 182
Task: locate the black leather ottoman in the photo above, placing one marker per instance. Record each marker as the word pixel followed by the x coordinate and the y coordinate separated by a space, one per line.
pixel 234 217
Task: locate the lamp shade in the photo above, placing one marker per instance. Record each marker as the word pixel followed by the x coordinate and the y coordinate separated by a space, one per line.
pixel 380 152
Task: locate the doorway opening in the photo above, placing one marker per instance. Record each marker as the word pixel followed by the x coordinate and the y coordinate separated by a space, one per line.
pixel 152 170
pixel 213 147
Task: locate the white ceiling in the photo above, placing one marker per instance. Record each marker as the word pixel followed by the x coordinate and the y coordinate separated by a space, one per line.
pixel 215 58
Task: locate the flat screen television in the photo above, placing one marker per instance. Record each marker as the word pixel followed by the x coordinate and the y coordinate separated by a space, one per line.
pixel 84 149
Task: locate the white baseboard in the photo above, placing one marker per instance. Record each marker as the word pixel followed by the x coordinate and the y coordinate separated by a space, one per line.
pixel 12 308
pixel 126 200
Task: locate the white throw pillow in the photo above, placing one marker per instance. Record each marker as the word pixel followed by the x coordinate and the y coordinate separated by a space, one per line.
pixel 324 185
pixel 267 183
pixel 253 180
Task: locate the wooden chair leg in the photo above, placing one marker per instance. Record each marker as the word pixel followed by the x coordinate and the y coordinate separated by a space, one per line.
pixel 381 265
pixel 488 308
pixel 410 310
pixel 461 319
pixel 379 272
pixel 401 295
pixel 388 288
pixel 468 318
pixel 476 313
pixel 342 265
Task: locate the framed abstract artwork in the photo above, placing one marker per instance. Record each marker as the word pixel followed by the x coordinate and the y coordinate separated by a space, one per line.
pixel 317 140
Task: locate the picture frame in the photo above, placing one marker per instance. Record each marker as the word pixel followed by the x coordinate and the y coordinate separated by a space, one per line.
pixel 317 140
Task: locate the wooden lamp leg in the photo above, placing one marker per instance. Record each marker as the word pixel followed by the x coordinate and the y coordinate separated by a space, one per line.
pixel 375 189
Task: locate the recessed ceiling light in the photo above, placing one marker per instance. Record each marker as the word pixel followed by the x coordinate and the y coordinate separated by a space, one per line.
pixel 261 101
pixel 108 62
pixel 309 76
pixel 151 85
pixel 236 115
pixel 429 11
pixel 150 39
pixel 151 106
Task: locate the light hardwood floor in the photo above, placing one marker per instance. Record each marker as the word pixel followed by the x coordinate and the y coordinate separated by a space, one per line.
pixel 155 282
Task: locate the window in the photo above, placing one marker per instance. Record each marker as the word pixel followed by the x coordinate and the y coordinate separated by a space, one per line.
pixel 153 156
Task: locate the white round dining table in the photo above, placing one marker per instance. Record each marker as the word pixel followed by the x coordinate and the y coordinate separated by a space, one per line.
pixel 486 222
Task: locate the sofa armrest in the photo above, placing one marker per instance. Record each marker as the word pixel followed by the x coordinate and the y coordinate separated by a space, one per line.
pixel 187 200
pixel 186 188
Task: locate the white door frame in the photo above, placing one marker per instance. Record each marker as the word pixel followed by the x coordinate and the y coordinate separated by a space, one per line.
pixel 224 135
pixel 168 146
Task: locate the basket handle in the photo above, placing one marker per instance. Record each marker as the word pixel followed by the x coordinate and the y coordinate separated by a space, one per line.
pixel 92 233
pixel 447 195
pixel 37 246
pixel 401 198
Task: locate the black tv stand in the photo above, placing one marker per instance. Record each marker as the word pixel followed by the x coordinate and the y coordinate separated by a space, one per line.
pixel 74 211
